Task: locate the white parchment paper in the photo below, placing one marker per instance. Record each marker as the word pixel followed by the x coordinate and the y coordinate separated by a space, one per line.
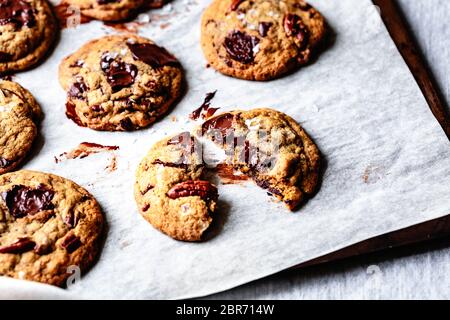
pixel 387 161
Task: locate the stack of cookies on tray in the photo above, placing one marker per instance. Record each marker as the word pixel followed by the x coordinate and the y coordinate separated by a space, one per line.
pixel 126 83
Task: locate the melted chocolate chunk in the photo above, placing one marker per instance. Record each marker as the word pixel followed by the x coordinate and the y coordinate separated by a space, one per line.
pixel 72 114
pixel 264 28
pixel 240 45
pixel 204 107
pixel 126 124
pixel 20 246
pixel 152 55
pixel 18 12
pixel 78 89
pixel 294 27
pixel 22 201
pixel 235 4
pixel 4 162
pixel 118 73
pixel 71 220
pixel 222 123
pixel 210 112
pixel 264 184
pixel 5 57
pixel 71 243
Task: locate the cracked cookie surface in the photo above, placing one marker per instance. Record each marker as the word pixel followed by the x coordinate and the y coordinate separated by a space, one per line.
pixel 19 113
pixel 271 148
pixel 170 191
pixel 47 224
pixel 120 83
pixel 27 31
pixel 260 39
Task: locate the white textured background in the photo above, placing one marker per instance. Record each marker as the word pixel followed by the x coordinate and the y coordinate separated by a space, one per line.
pixel 419 272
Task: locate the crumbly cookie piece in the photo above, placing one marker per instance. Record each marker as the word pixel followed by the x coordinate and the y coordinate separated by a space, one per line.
pixel 19 113
pixel 260 39
pixel 270 147
pixel 120 83
pixel 47 224
pixel 170 192
pixel 27 31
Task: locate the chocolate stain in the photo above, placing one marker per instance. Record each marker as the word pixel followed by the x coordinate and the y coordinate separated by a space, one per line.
pixel 86 149
pixel 205 111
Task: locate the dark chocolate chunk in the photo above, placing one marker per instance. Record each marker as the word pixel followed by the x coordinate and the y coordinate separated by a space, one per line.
pixel 71 219
pixel 264 184
pixel 264 28
pixel 20 246
pixel 5 57
pixel 240 45
pixel 71 243
pixel 22 200
pixel 126 124
pixel 118 73
pixel 77 89
pixel 152 55
pixel 294 27
pixel 222 123
pixel 18 12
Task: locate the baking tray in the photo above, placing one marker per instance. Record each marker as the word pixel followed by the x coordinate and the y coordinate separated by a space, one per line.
pixel 430 230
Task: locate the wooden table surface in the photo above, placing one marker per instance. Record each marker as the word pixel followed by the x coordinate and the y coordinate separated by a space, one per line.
pixel 417 272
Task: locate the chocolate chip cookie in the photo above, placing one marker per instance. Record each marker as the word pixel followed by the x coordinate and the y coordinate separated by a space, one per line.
pixel 113 10
pixel 107 10
pixel 47 224
pixel 19 113
pixel 27 31
pixel 170 191
pixel 271 148
pixel 120 83
pixel 260 39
